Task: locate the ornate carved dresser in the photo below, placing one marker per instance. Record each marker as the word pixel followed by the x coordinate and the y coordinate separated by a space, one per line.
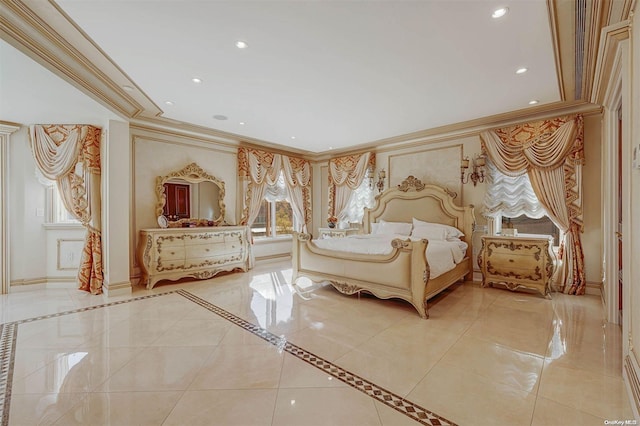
pixel 524 261
pixel 202 252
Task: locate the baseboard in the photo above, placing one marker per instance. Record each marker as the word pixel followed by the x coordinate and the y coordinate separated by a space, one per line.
pixel 593 288
pixel 43 283
pixel 30 281
pixel 117 289
pixel 631 375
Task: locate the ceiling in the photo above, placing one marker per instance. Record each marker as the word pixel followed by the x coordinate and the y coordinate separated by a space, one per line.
pixel 339 76
pixel 323 75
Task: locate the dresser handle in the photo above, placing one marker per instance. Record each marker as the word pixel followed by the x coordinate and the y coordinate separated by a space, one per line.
pixel 206 249
pixel 511 260
pixel 173 252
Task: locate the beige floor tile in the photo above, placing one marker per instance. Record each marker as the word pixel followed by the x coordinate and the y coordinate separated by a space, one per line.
pixel 122 408
pixel 520 330
pixel 399 357
pixel 77 370
pixel 240 367
pixel 592 392
pixel 41 409
pixel 468 399
pixel 224 407
pixel 496 362
pixel 329 339
pixel 550 413
pixel 324 406
pixel 159 368
pixel 194 332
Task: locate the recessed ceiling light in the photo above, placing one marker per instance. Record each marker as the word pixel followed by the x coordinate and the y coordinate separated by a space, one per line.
pixel 293 137
pixel 241 44
pixel 499 13
pixel 128 88
pixel 521 70
pixel 242 123
pixel 220 117
pixel 330 147
pixel 196 80
pixel 168 103
pixel 533 102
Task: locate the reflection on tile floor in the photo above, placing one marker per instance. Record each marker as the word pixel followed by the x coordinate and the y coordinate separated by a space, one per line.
pixel 245 349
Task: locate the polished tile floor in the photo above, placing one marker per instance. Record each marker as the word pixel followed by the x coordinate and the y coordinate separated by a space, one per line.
pixel 246 348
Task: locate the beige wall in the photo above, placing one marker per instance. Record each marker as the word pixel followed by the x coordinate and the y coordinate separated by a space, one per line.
pixel 592 200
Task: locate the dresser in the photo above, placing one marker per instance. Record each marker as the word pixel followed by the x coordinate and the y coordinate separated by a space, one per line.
pixel 174 253
pixel 524 261
pixel 336 233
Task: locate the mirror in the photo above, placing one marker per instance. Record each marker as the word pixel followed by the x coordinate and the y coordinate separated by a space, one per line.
pixel 192 194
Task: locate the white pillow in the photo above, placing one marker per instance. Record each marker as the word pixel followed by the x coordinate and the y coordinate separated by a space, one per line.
pixel 429 232
pixel 385 227
pixel 374 227
pixel 451 232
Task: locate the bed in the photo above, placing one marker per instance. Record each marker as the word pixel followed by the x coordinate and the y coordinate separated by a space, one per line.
pixel 404 272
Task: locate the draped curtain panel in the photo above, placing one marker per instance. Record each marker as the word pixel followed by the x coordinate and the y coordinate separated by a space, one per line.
pixel 70 155
pixel 260 170
pixel 345 176
pixel 551 152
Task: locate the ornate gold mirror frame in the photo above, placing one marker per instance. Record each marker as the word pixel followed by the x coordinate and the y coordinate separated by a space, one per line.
pixel 192 174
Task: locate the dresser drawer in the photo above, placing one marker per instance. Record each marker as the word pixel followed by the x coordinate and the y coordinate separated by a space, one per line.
pixel 508 262
pixel 171 252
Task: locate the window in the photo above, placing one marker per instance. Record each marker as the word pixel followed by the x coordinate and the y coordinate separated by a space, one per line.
pixel 275 217
pixel 55 212
pixel 60 213
pixel 360 198
pixel 511 202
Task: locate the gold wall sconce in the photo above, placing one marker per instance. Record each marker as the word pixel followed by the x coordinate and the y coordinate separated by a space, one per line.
pixel 477 169
pixel 381 176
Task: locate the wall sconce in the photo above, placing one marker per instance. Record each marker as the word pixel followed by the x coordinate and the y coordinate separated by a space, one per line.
pixel 381 176
pixel 477 172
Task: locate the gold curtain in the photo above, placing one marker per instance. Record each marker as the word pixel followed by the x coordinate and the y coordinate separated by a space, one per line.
pixel 70 155
pixel 257 169
pixel 345 175
pixel 551 152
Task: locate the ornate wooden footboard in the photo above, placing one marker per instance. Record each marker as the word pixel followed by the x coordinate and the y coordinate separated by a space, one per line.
pixel 403 273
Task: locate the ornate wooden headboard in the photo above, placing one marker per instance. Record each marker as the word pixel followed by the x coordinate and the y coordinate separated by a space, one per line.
pixel 429 203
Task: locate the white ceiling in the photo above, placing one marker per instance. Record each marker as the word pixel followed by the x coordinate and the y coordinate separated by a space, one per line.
pixel 331 73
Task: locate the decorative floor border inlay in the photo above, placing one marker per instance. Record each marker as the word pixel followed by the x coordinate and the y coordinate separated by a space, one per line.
pixel 380 394
pixel 9 336
pixel 9 333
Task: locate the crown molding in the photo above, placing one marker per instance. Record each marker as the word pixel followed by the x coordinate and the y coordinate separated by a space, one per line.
pixel 42 31
pixel 610 39
pixel 468 128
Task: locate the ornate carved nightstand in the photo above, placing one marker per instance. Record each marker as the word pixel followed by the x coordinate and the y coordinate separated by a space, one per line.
pixel 525 261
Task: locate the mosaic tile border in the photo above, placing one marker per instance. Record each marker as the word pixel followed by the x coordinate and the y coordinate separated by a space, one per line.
pixel 9 333
pixel 9 337
pixel 382 395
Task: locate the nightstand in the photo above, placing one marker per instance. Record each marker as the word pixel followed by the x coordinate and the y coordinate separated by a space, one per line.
pixel 336 233
pixel 523 261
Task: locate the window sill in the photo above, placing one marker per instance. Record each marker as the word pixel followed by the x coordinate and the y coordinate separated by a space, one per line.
pixel 267 240
pixel 63 226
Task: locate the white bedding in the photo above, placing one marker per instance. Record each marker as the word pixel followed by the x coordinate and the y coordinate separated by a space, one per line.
pixel 442 256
